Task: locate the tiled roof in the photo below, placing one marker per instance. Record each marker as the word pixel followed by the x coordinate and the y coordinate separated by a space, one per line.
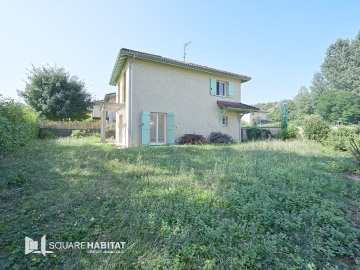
pixel 236 105
pixel 124 53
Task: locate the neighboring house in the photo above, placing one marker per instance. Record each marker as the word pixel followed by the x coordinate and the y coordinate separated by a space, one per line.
pixel 96 110
pixel 250 117
pixel 160 99
pixel 110 115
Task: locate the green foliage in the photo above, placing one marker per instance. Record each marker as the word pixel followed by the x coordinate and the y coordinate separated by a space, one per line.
pixel 354 148
pixel 46 134
pixel 304 105
pixel 341 65
pixel 57 95
pixel 18 124
pixel 290 132
pixel 315 128
pixel 259 205
pixel 276 114
pixel 255 133
pixel 339 138
pixel 340 70
pixel 77 134
pixel 339 106
pixel 256 122
pixel 266 106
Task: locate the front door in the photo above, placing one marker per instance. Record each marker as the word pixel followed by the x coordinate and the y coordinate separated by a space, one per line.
pixel 157 128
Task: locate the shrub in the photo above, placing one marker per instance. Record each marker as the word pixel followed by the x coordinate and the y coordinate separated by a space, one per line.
pixel 192 139
pixel 218 137
pixel 338 138
pixel 18 124
pixel 45 134
pixel 291 132
pixel 315 128
pixel 255 133
pixel 78 133
pixel 354 148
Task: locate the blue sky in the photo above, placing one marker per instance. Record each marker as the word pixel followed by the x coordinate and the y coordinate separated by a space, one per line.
pixel 280 44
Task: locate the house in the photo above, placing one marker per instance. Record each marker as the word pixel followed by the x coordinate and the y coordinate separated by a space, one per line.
pixel 96 110
pixel 250 117
pixel 110 115
pixel 160 99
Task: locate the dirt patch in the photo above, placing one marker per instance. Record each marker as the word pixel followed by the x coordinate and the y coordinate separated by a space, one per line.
pixel 353 177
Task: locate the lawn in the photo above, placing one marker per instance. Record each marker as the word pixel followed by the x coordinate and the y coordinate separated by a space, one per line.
pixel 257 205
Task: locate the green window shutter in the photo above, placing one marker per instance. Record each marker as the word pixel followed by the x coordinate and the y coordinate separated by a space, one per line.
pixel 231 89
pixel 170 128
pixel 213 87
pixel 145 128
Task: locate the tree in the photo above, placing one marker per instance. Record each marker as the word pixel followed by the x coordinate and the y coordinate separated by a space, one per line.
pixel 56 95
pixel 304 104
pixel 276 114
pixel 340 70
pixel 319 86
pixel 339 106
pixel 341 66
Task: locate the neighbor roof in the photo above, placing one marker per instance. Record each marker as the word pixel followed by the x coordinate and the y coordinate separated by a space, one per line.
pixel 124 53
pixel 236 106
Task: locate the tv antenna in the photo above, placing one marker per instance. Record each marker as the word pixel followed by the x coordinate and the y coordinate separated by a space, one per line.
pixel 186 44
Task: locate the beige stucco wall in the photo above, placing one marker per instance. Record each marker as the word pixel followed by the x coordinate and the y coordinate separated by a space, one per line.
pixel 165 88
pixel 124 113
pixel 96 111
pixel 249 117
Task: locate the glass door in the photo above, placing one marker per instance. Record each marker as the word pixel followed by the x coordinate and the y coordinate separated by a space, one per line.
pixel 157 128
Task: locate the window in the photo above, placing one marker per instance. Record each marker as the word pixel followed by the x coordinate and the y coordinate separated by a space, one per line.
pixel 221 89
pixel 224 121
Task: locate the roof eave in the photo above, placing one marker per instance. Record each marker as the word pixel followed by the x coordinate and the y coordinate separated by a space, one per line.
pixel 122 56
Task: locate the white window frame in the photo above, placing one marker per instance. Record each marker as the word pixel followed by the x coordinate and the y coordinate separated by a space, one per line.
pixel 157 128
pixel 226 122
pixel 218 89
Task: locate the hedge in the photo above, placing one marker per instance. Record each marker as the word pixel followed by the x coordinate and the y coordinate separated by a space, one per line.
pixel 18 124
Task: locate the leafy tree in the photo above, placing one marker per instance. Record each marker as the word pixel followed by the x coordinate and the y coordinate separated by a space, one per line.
pixel 315 128
pixel 340 70
pixel 319 86
pixel 266 106
pixel 339 106
pixel 342 65
pixel 276 114
pixel 56 95
pixel 304 104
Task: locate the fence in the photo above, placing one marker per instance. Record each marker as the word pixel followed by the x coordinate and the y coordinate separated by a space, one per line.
pixel 64 129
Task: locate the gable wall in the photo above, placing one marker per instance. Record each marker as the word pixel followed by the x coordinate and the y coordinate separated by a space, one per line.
pixel 164 88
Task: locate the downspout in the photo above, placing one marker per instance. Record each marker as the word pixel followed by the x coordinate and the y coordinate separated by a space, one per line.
pixel 240 128
pixel 131 100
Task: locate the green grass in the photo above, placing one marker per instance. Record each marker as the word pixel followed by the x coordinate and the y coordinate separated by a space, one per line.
pixel 258 205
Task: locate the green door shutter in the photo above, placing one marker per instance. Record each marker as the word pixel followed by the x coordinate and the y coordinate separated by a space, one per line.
pixel 213 87
pixel 231 89
pixel 170 128
pixel 145 128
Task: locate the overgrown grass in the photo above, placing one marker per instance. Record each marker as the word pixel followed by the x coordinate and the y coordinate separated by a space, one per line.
pixel 259 205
